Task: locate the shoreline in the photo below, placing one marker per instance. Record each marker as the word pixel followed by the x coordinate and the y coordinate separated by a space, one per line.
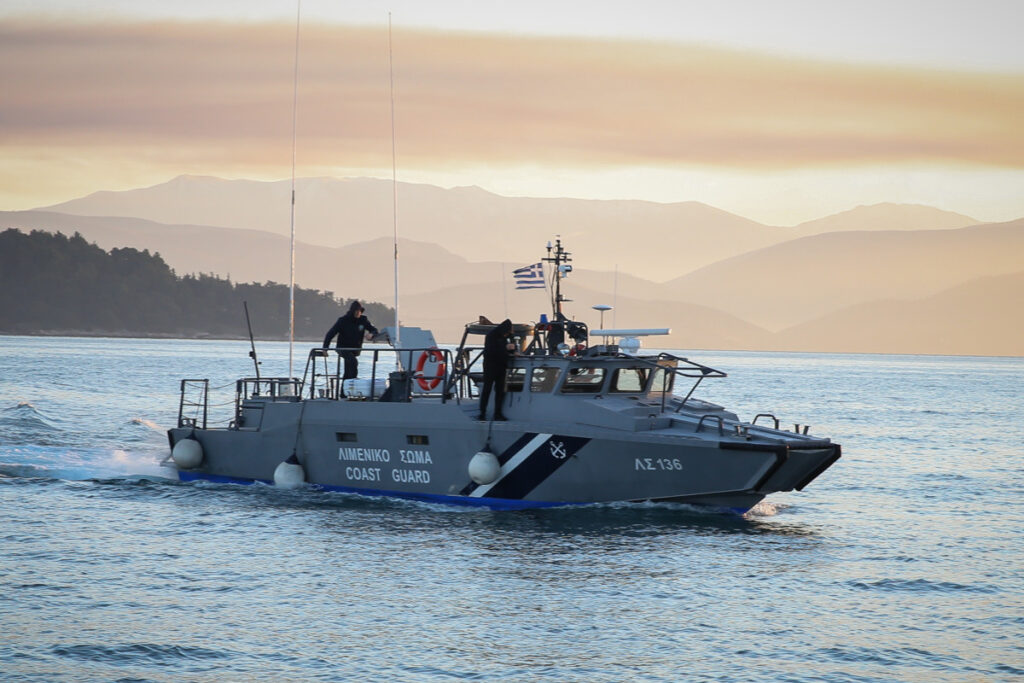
pixel 122 334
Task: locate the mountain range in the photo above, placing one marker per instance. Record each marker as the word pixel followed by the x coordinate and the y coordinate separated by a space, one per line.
pixel 655 241
pixel 882 278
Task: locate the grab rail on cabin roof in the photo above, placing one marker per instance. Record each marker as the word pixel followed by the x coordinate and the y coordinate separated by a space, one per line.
pixel 465 360
pixel 686 370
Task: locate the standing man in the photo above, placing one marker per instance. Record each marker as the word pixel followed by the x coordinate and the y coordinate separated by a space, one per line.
pixel 498 347
pixel 350 329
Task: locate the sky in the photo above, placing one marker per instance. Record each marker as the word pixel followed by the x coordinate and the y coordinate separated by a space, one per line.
pixel 780 111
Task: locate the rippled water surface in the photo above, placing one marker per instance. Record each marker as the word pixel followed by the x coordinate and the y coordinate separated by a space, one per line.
pixel 903 562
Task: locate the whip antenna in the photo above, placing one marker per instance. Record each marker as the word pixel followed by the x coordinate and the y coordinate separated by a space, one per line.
pixel 291 271
pixel 252 344
pixel 615 294
pixel 394 183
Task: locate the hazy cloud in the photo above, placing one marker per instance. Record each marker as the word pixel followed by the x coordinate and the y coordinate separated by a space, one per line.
pixel 220 92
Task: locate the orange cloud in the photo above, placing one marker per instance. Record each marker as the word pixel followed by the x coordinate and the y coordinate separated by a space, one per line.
pixel 219 92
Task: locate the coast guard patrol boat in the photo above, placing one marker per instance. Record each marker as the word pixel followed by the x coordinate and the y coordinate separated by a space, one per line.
pixel 585 424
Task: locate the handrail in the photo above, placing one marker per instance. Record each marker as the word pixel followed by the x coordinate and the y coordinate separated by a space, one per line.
pixel 271 387
pixel 203 401
pixel 453 384
pixel 334 380
pixel 460 369
pixel 754 422
pixel 464 362
pixel 705 371
pixel 721 428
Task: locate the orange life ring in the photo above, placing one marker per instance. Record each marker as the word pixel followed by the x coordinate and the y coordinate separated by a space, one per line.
pixel 429 383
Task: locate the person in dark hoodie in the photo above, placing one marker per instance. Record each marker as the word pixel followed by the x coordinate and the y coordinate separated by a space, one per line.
pixel 498 348
pixel 350 329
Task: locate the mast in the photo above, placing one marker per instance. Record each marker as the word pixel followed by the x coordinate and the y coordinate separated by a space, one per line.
pixel 291 270
pixel 560 259
pixel 394 183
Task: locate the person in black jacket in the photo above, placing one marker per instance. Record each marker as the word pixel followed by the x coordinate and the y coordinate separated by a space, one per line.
pixel 350 329
pixel 498 347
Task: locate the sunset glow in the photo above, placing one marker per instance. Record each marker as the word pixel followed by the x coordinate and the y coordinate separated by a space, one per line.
pixel 112 100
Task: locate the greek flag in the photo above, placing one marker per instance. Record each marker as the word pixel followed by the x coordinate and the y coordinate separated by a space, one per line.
pixel 529 277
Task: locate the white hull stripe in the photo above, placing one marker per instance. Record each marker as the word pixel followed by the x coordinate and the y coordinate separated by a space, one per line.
pixel 512 463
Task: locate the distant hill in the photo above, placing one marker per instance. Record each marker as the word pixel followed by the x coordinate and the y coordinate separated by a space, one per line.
pixel 758 295
pixel 362 270
pixel 884 217
pixel 826 274
pixel 56 284
pixel 435 284
pixel 982 315
pixel 447 310
pixel 655 241
pixel 786 284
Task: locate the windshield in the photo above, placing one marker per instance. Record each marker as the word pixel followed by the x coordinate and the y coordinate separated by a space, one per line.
pixel 662 381
pixel 544 379
pixel 629 380
pixel 583 381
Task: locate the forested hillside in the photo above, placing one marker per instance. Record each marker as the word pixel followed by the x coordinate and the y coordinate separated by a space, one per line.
pixel 55 284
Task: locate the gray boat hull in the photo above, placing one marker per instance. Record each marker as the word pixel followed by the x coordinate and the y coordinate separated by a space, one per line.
pixel 422 450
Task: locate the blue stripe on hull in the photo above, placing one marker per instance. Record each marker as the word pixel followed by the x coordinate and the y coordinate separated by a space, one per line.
pixel 492 503
pixel 466 501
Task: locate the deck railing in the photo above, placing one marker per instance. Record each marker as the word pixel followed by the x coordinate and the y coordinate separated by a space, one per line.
pixel 193 403
pixel 400 375
pixel 426 373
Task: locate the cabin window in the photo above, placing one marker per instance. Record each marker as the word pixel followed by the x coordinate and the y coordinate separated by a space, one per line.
pixel 629 380
pixel 417 439
pixel 583 381
pixel 544 379
pixel 514 379
pixel 345 436
pixel 662 381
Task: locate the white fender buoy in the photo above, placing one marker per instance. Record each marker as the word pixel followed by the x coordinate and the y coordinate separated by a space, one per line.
pixel 484 467
pixel 187 454
pixel 289 474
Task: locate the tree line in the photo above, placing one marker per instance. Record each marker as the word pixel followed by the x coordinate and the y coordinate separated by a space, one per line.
pixel 55 284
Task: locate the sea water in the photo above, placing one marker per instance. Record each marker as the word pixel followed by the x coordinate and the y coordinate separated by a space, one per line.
pixel 903 562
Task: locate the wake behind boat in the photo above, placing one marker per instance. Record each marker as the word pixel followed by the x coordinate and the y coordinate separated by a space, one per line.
pixel 584 424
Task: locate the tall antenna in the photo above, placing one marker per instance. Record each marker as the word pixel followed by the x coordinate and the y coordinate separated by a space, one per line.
pixel 295 111
pixel 504 289
pixel 615 294
pixel 252 343
pixel 394 182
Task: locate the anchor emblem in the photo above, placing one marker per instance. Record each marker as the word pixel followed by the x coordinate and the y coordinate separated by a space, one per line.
pixel 558 450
